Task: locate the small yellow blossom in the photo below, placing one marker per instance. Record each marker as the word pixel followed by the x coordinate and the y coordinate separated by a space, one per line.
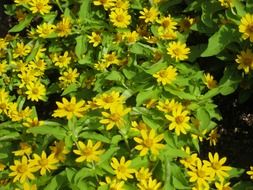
pixel 178 51
pixel 166 76
pixel 209 81
pixel 45 30
pixel 246 27
pixel 149 15
pixel 95 39
pixel 120 18
pixel 39 6
pixel 245 60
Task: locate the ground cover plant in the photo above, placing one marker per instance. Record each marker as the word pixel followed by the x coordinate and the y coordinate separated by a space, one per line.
pixel 119 94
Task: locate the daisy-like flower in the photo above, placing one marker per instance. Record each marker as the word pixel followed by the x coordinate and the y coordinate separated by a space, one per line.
pixel 39 6
pixel 149 141
pixel 63 28
pixel 110 58
pixel 213 137
pixel 185 24
pixel 109 100
pixel 95 39
pixel 21 50
pixel 69 108
pixel 143 174
pixel 226 3
pixel 179 121
pixel 246 27
pixel 22 170
pixel 122 168
pixel 149 184
pixel 32 122
pixel 178 51
pixel 131 37
pixel 149 15
pixel 45 29
pixel 105 3
pixel 120 18
pixel 167 106
pixel 44 163
pixel 120 4
pixel 216 166
pixel 59 150
pixel 113 184
pixel 138 126
pixel 25 149
pixel 35 91
pixel 3 67
pixel 223 186
pixel 245 60
pixel 115 117
pixel 167 23
pixel 4 101
pixel 191 160
pixel 166 76
pixel 200 174
pixel 69 77
pixel 61 60
pixel 209 81
pixel 250 172
pixel 88 152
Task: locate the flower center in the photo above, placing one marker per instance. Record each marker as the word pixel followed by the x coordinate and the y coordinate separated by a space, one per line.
pixel 39 6
pixel 247 60
pixel 122 169
pixel 108 99
pixel 35 90
pixel 3 106
pixel 163 74
pixel 43 162
pixel 70 107
pixel 176 51
pixel 148 142
pixel 120 18
pixel 250 28
pixel 179 119
pixel 88 151
pixel 216 165
pixel 22 168
pixel 115 117
pixel 201 173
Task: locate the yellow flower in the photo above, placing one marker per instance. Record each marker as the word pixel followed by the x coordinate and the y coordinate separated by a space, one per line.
pixel 246 27
pixel 167 106
pixel 39 6
pixel 191 160
pixel 88 152
pixel 179 121
pixel 213 137
pixel 216 166
pixel 95 39
pixel 209 81
pixel 21 50
pixel 110 58
pixel 45 30
pixel 223 186
pixel 149 184
pixel 120 4
pixel 44 163
pixel 122 168
pixel 250 172
pixel 27 186
pixel 32 122
pixel 114 184
pixel 21 2
pixel 245 60
pixel 149 15
pixel 2 167
pixel 105 3
pixel 143 174
pixel 131 37
pixel 62 60
pixel 166 34
pixel 27 77
pixel 120 18
pixel 69 109
pixel 178 51
pixel 226 3
pixel 22 170
pixel 63 28
pixel 115 117
pixel 3 67
pixel 59 150
pixel 149 141
pixel 167 23
pixel 4 101
pixel 109 100
pixel 138 126
pixel 185 24
pixel 35 91
pixel 69 77
pixel 200 174
pixel 166 76
pixel 25 149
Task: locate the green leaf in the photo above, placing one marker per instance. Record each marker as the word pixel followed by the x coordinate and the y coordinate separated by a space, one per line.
pixel 56 182
pixel 81 45
pixel 141 49
pixel 208 9
pixel 218 41
pixel 146 95
pixel 24 23
pixel 85 10
pixel 56 131
pixel 236 172
pixel 240 7
pixel 34 51
pixel 115 76
pixel 95 136
pixel 203 117
pixel 71 88
pixel 243 185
